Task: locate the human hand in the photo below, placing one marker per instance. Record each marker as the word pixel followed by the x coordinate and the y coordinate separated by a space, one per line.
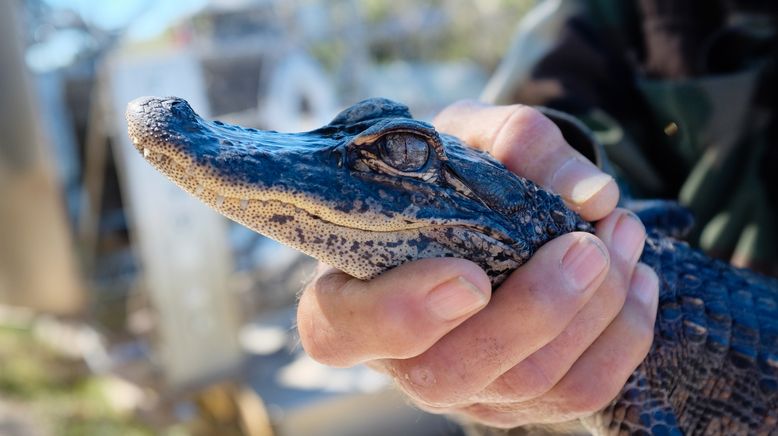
pixel 564 331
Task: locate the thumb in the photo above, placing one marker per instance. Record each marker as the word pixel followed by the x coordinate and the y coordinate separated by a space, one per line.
pixel 344 321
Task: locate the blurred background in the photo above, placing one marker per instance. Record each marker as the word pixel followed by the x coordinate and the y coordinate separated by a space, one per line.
pixel 126 307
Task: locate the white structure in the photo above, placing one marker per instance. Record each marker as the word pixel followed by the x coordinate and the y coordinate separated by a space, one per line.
pixel 182 243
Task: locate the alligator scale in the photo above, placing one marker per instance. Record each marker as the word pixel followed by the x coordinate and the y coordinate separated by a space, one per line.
pixel 375 188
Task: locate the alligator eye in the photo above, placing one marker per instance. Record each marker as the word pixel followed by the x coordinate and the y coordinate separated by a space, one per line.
pixel 403 151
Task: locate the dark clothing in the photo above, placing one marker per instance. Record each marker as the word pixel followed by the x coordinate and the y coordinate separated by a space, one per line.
pixel 682 95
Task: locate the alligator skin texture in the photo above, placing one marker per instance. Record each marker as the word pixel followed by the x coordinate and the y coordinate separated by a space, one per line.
pixel 713 366
pixel 375 188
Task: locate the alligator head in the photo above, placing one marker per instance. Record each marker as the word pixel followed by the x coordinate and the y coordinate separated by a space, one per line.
pixel 371 190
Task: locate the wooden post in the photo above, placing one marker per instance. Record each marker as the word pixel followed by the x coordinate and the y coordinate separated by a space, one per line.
pixel 37 263
pixel 181 242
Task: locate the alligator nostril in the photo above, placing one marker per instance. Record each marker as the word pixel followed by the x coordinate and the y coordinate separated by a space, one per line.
pixel 172 103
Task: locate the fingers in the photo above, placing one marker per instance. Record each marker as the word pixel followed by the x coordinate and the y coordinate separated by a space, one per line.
pixel 624 236
pixel 531 145
pixel 597 376
pixel 604 368
pixel 529 310
pixel 344 321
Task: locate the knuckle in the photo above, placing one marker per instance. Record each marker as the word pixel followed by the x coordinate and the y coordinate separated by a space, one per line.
pixel 319 348
pixel 321 342
pixel 525 130
pixel 525 381
pixel 399 336
pixel 394 348
pixel 533 123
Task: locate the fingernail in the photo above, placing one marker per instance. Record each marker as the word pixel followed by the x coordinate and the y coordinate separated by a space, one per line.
pixel 583 263
pixel 578 181
pixel 644 284
pixel 455 298
pixel 628 237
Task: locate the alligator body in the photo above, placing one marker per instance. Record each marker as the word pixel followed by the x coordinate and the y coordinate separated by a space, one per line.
pixel 376 188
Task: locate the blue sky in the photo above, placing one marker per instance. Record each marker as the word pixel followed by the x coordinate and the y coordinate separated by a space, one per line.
pixel 143 19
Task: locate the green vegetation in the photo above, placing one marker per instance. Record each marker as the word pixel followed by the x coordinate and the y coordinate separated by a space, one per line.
pixel 60 391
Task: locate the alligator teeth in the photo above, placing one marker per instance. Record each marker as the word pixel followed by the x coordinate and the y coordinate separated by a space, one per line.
pixel 146 152
pixel 199 190
pixel 219 200
pixel 244 203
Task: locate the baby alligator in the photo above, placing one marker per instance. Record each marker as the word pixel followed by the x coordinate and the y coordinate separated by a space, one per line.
pixel 375 188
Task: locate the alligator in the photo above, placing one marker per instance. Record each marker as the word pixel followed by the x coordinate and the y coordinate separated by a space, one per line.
pixel 376 188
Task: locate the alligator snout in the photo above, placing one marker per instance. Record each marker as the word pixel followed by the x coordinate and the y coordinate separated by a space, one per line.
pixel 159 112
pixel 167 127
